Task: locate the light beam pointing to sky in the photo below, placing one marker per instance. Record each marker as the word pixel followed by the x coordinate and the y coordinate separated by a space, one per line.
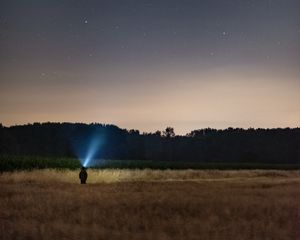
pixel 91 151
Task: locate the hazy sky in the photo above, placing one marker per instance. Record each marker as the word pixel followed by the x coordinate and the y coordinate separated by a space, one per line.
pixel 146 65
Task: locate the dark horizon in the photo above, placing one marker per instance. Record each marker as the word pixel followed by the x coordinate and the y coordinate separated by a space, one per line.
pixel 153 132
pixel 90 144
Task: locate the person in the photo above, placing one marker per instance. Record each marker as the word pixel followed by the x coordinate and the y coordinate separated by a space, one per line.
pixel 83 175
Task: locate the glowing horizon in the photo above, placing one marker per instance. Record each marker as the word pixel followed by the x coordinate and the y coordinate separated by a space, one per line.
pixel 148 66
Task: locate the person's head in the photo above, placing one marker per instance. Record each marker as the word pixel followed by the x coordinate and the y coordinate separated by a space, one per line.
pixel 82 168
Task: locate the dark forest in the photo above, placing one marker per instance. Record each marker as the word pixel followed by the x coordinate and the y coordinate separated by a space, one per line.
pixel 271 146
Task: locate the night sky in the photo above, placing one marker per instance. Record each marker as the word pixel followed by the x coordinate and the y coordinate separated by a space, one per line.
pixel 151 64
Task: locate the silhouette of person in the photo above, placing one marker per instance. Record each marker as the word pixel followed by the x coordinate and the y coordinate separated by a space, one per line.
pixel 83 175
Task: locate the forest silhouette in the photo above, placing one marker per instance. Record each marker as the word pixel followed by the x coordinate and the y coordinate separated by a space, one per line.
pixel 271 146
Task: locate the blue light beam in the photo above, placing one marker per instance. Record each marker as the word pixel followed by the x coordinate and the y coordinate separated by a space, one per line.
pixel 91 151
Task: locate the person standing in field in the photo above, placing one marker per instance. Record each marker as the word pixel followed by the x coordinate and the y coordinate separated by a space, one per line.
pixel 83 175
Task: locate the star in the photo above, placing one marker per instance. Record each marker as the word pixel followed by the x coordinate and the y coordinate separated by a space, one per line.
pixel 42 75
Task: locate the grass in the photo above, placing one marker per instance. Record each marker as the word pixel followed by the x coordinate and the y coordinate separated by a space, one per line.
pixel 135 175
pixel 12 163
pixel 150 204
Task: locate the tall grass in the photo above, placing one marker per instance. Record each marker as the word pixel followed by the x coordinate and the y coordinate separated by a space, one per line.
pixel 50 204
pixel 137 175
pixel 11 163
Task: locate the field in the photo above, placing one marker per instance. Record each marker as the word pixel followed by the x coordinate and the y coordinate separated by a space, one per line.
pixel 150 204
pixel 12 163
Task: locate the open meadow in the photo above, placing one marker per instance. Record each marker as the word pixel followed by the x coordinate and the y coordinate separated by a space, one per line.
pixel 150 120
pixel 150 204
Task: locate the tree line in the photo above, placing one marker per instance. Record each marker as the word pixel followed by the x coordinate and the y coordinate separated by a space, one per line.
pixel 230 145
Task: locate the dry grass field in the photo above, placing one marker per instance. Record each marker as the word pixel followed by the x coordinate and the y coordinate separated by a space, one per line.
pixel 150 204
